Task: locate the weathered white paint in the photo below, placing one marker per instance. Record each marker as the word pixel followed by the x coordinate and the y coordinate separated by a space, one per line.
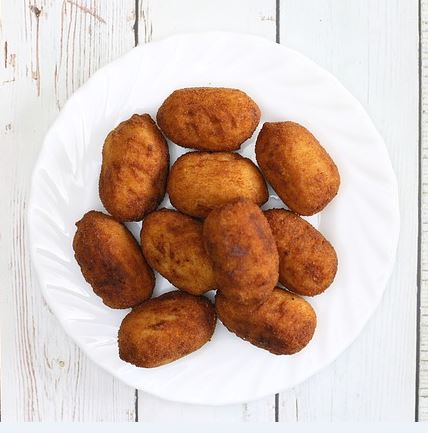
pixel 163 18
pixel 52 48
pixel 372 47
pixel 154 409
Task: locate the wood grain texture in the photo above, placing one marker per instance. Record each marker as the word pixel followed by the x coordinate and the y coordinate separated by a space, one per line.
pixel 50 48
pixel 158 19
pixel 372 47
pixel 423 337
pixel 153 409
pixel 162 18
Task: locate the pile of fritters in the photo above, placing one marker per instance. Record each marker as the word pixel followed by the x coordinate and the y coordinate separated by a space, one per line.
pixel 218 237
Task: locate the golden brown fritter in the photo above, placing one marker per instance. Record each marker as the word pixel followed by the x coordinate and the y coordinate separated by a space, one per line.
pixel 134 169
pixel 284 324
pixel 173 245
pixel 200 182
pixel 242 249
pixel 208 118
pixel 111 261
pixel 307 260
pixel 165 329
pixel 297 166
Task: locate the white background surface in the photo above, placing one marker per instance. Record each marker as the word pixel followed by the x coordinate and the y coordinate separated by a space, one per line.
pixel 51 47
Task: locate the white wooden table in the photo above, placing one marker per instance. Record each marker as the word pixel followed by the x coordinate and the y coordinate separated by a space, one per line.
pixel 50 47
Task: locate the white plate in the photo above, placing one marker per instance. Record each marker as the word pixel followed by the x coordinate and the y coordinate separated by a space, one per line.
pixel 362 222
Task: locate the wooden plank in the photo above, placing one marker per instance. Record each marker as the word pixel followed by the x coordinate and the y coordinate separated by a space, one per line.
pixel 158 19
pixel 153 409
pixel 372 47
pixel 423 337
pixel 49 49
pixel 162 18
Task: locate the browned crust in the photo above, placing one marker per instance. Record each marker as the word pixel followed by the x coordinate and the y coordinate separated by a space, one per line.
pixel 111 261
pixel 208 118
pixel 242 249
pixel 284 324
pixel 201 181
pixel 296 165
pixel 165 329
pixel 173 245
pixel 134 170
pixel 307 260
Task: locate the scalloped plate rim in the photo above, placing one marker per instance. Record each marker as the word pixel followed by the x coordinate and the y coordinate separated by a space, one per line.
pixel 64 322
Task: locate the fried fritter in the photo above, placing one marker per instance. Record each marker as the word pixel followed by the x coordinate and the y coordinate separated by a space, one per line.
pixel 307 260
pixel 165 329
pixel 134 169
pixel 111 261
pixel 284 324
pixel 200 182
pixel 242 249
pixel 208 118
pixel 173 245
pixel 297 166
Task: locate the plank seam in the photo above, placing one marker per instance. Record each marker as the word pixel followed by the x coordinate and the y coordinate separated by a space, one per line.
pixel 136 22
pixel 419 242
pixel 136 406
pixel 276 407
